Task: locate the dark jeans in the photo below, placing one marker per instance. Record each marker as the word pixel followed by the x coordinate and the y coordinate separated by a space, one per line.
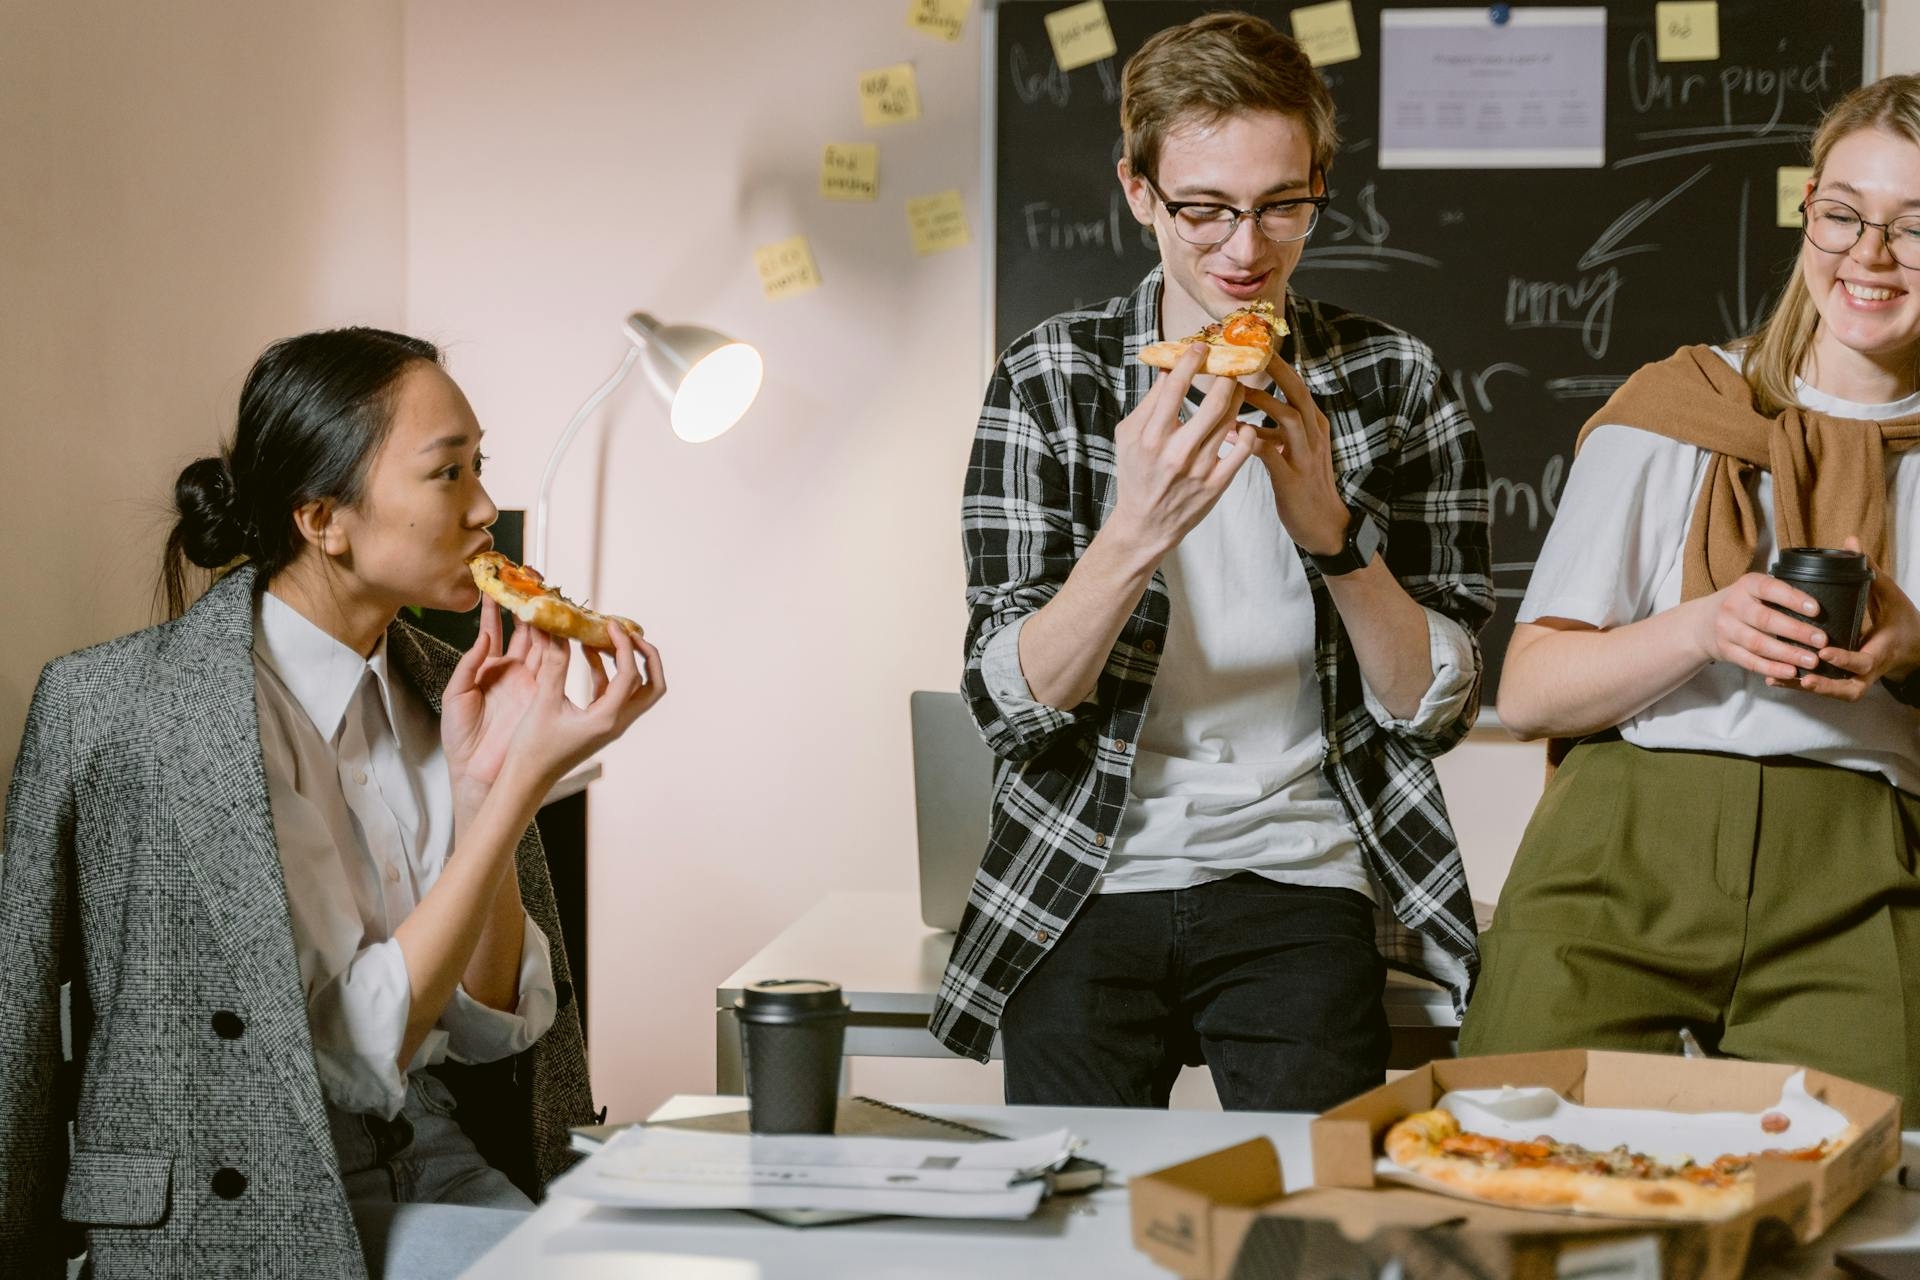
pixel 1276 987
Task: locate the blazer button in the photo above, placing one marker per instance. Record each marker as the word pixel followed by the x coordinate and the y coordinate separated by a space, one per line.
pixel 229 1184
pixel 227 1025
pixel 1100 839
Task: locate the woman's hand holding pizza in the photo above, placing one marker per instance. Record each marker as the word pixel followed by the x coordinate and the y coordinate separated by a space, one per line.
pixel 1297 452
pixel 1170 472
pixel 510 709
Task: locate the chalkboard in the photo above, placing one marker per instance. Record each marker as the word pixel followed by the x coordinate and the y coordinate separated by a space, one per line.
pixel 1539 289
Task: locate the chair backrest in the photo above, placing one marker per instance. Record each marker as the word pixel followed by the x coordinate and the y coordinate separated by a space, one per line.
pixel 952 800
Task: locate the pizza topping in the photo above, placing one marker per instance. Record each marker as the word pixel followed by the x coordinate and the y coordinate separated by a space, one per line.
pixel 1775 1122
pixel 1620 1162
pixel 525 580
pixel 1247 330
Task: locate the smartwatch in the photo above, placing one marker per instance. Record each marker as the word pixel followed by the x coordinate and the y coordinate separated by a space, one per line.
pixel 1363 543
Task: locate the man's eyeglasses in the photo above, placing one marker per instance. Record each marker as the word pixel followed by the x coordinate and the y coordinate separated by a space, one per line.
pixel 1204 223
pixel 1835 227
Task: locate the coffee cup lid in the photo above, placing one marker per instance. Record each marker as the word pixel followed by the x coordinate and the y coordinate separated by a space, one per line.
pixel 791 997
pixel 1821 564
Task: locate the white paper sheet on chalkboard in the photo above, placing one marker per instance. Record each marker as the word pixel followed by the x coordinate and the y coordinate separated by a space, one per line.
pixel 1460 91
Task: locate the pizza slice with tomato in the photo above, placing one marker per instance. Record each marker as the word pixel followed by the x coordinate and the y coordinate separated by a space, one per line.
pixel 522 592
pixel 1239 343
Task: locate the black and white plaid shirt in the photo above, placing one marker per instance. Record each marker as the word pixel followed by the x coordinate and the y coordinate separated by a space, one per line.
pixel 1039 485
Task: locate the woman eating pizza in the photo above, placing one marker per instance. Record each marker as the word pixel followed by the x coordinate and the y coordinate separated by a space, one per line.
pixel 1730 849
pixel 282 847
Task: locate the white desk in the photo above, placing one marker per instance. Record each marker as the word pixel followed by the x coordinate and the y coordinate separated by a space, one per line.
pixel 889 964
pixel 1074 1236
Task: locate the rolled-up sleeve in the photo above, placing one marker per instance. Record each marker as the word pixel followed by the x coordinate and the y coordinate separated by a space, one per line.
pixel 1455 670
pixel 1019 545
pixel 1000 668
pixel 478 1033
pixel 1440 550
pixel 359 1019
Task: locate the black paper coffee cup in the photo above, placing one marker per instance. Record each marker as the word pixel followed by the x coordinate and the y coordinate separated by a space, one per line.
pixel 791 1031
pixel 1839 582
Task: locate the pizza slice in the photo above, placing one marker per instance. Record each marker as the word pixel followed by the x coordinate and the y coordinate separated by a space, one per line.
pixel 1544 1174
pixel 1239 343
pixel 523 593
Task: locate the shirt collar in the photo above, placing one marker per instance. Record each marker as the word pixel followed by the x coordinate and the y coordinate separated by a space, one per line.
pixel 322 674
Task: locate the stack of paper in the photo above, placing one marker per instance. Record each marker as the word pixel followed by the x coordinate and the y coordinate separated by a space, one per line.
pixel 662 1168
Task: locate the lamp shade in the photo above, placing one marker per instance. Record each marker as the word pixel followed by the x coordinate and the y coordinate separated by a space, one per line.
pixel 707 379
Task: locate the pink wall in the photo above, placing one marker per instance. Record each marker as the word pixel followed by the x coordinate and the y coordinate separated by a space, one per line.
pixel 184 184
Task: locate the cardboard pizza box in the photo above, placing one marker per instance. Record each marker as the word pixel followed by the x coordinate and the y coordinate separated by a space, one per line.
pixel 1229 1215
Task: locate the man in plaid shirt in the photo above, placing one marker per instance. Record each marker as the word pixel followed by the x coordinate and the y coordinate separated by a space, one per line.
pixel 1215 689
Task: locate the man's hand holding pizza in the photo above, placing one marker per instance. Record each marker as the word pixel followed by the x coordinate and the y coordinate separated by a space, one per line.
pixel 1297 451
pixel 1168 471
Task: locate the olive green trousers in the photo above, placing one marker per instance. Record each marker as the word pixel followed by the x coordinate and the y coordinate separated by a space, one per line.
pixel 1768 905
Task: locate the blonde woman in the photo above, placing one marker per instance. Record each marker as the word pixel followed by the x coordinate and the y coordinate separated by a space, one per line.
pixel 1731 849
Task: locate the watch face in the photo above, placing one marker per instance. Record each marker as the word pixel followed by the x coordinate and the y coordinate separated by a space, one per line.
pixel 1366 539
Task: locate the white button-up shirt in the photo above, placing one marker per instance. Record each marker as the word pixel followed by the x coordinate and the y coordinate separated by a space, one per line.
pixel 363 812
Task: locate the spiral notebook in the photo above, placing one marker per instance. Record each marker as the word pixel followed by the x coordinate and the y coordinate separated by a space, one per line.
pixel 865 1118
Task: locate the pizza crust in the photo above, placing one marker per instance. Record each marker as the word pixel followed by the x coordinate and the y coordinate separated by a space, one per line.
pixel 1223 360
pixel 552 613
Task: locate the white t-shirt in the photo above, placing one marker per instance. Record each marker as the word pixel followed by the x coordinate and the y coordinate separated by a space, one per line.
pixel 1226 776
pixel 1613 556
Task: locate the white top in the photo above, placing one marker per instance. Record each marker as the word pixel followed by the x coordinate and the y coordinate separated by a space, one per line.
pixel 1226 777
pixel 1613 556
pixel 363 813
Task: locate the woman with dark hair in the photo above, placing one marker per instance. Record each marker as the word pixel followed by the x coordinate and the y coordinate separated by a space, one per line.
pixel 282 847
pixel 1730 852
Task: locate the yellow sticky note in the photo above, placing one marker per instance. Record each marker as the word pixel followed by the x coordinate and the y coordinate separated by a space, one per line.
pixel 1080 35
pixel 1686 30
pixel 786 268
pixel 1789 189
pixel 939 222
pixel 889 95
pixel 850 171
pixel 1327 32
pixel 943 18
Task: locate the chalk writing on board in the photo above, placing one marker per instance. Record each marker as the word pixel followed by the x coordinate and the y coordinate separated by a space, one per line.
pixel 1478 383
pixel 1510 498
pixel 1038 79
pixel 1522 569
pixel 1742 314
pixel 1606 246
pixel 1346 242
pixel 1586 306
pixel 1048 226
pixel 1584 386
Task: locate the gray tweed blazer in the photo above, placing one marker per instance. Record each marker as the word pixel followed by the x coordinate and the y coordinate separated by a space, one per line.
pixel 140 864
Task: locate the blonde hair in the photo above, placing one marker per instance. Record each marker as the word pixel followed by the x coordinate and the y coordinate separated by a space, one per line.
pixel 1217 65
pixel 1777 351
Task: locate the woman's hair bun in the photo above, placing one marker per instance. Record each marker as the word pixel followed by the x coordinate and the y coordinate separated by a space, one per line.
pixel 212 530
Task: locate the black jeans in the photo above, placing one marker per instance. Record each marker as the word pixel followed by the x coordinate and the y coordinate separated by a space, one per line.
pixel 1276 987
